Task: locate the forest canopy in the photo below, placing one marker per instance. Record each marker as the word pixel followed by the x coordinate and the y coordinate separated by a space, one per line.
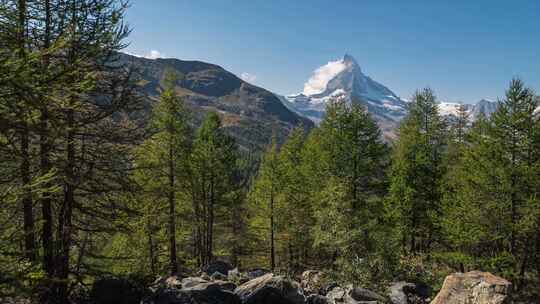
pixel 93 184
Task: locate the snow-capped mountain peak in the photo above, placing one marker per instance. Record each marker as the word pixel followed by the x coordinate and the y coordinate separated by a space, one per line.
pixel 344 79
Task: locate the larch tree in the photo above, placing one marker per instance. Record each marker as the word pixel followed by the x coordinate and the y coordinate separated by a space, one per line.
pixel 212 164
pixel 352 160
pixel 416 173
pixel 164 157
pixel 264 195
pixel 494 219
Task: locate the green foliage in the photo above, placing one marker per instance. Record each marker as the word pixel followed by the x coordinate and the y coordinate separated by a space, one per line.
pixel 491 217
pixel 102 198
pixel 416 173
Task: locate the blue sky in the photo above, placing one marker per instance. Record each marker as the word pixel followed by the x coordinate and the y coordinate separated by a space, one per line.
pixel 464 50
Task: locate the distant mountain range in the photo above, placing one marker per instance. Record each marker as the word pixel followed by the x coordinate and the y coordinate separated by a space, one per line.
pixel 484 106
pixel 252 114
pixel 343 79
pixel 249 113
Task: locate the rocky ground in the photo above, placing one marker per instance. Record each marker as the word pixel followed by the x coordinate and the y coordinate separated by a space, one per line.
pixel 219 283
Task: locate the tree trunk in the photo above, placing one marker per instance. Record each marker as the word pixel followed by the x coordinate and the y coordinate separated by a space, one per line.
pixel 198 236
pixel 272 248
pixel 172 215
pixel 29 237
pixel 45 168
pixel 65 217
pixel 513 196
pixel 210 228
pixel 46 208
pixel 28 216
pixel 151 251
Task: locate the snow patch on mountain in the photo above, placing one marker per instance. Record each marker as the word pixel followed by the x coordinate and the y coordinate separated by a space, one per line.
pixel 484 106
pixel 449 108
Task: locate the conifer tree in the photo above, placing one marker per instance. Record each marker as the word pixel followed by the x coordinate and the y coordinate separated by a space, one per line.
pixel 164 157
pixel 494 219
pixel 212 164
pixel 264 193
pixel 73 96
pixel 351 181
pixel 416 172
pixel 297 211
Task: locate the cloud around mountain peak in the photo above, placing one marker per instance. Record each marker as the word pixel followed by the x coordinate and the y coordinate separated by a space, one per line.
pixel 321 76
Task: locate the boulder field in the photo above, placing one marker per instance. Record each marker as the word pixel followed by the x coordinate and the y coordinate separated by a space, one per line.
pixel 263 287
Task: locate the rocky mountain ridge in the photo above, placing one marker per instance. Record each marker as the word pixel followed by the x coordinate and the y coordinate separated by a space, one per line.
pixel 249 113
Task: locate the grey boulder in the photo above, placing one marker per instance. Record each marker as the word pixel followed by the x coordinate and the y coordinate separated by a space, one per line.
pixel 270 289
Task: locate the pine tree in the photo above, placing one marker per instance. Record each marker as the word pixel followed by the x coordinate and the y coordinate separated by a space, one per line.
pixel 297 211
pixel 213 160
pixel 73 96
pixel 495 218
pixel 164 156
pixel 264 194
pixel 349 163
pixel 416 173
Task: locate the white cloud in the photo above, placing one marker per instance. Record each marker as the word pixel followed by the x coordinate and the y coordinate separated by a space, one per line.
pixel 318 81
pixel 247 77
pixel 132 54
pixel 154 54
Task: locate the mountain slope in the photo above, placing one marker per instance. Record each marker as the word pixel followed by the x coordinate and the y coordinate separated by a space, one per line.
pixel 249 113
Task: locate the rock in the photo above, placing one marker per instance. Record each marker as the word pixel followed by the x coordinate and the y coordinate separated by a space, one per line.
pixel 326 288
pixel 217 266
pixel 233 274
pixel 312 281
pixel 237 277
pixel 173 281
pixel 353 295
pixel 218 276
pixel 408 293
pixel 270 289
pixel 191 281
pixel 200 294
pixel 338 295
pixel 169 281
pixel 397 292
pixel 255 273
pixel 404 293
pixel 362 294
pixel 473 287
pixel 115 291
pixel 225 285
pixel 316 299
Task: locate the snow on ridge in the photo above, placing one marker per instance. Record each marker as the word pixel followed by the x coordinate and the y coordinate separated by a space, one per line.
pixel 450 108
pixel 321 76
